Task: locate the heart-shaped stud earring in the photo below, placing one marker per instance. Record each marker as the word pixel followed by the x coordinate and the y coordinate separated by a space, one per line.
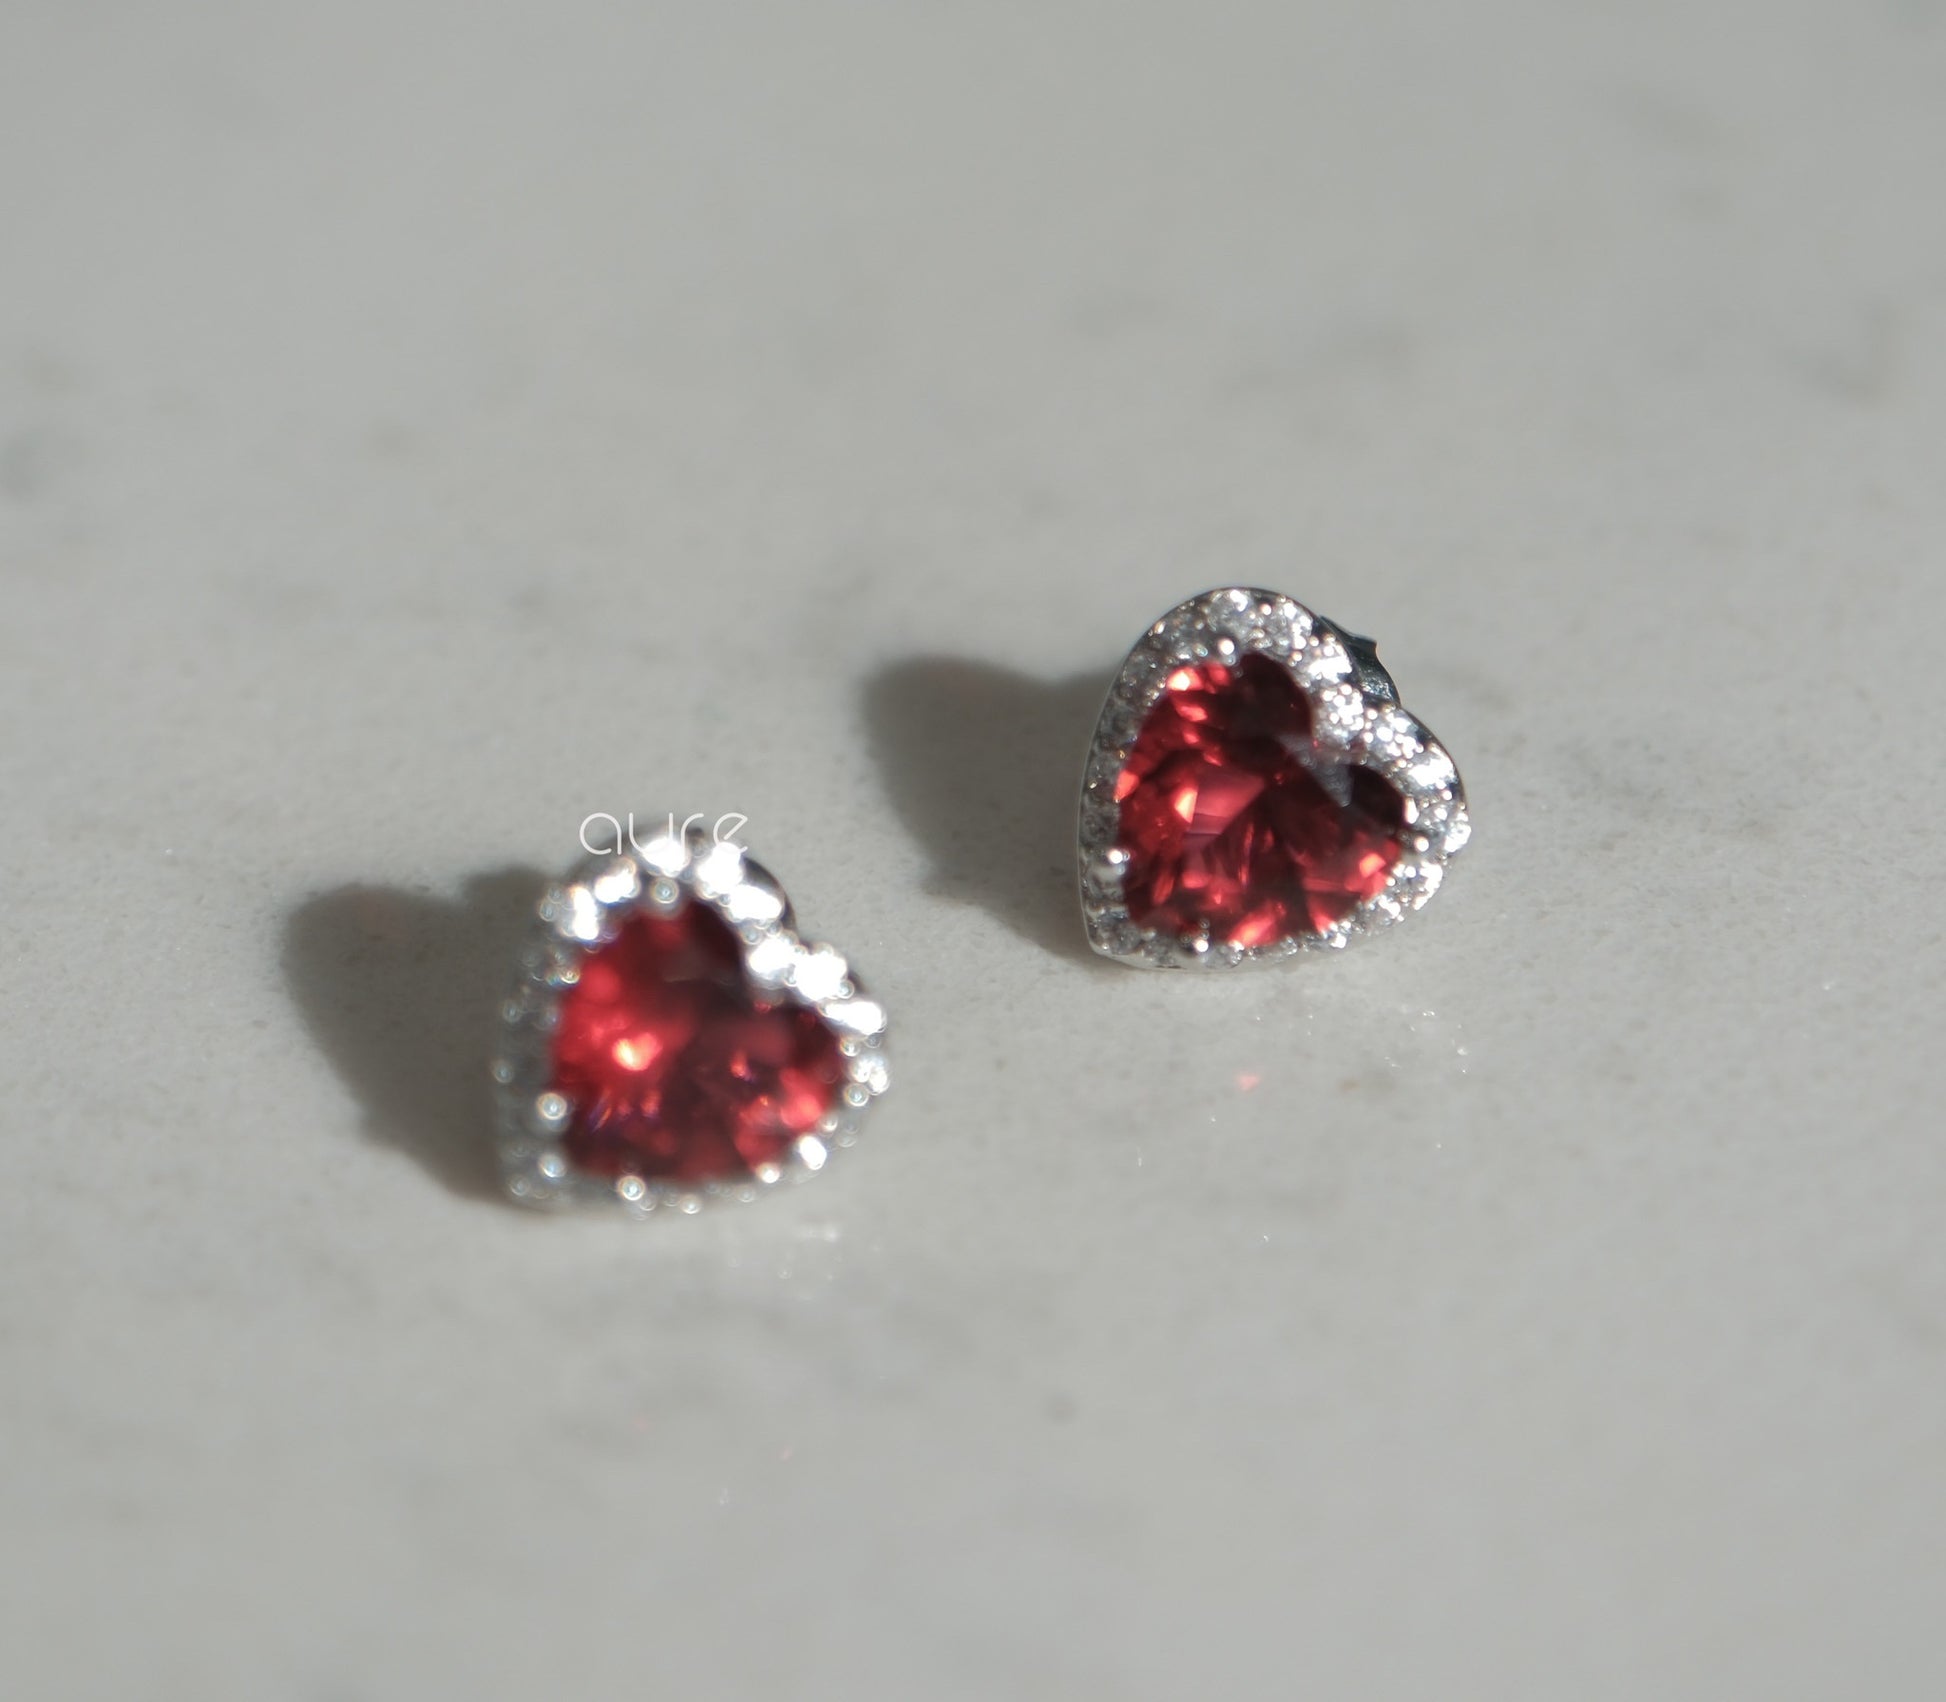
pixel 1255 790
pixel 670 1040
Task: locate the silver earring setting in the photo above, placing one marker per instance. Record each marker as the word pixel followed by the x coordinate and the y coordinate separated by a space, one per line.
pixel 671 1041
pixel 1255 790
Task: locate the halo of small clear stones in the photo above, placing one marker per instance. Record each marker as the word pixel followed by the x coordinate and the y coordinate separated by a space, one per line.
pixel 1228 623
pixel 583 912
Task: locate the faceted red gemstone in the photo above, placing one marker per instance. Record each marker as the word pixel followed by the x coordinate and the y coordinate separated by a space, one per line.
pixel 677 1065
pixel 1232 817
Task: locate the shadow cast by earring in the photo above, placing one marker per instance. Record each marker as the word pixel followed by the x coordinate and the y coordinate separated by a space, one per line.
pixel 398 988
pixel 984 768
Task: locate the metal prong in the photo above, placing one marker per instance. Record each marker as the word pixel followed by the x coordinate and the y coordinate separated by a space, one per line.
pixel 1372 677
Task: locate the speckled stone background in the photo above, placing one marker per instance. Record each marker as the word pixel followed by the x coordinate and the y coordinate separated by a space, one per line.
pixel 423 423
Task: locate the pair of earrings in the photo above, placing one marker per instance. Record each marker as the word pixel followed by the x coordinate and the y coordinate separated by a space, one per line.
pixel 1254 790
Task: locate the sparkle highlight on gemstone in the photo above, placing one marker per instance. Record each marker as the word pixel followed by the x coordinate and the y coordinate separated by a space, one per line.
pixel 1235 822
pixel 677 1064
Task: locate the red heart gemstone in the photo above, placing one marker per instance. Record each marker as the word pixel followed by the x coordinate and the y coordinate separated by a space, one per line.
pixel 1233 818
pixel 677 1065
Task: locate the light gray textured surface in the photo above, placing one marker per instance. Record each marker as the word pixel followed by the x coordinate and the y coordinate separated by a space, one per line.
pixel 1546 1301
